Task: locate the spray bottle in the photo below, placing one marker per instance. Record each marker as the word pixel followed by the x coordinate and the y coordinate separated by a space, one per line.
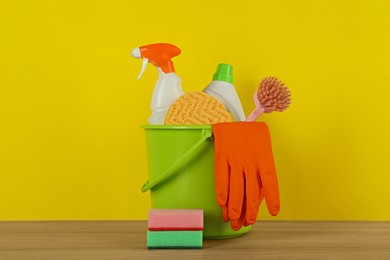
pixel 168 87
pixel 223 90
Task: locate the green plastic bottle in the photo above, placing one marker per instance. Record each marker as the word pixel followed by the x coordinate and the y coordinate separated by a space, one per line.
pixel 221 87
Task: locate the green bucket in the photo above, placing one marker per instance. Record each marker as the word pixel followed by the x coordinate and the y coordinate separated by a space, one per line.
pixel 181 174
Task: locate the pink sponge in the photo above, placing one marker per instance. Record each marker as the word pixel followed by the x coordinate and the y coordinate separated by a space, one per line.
pixel 175 219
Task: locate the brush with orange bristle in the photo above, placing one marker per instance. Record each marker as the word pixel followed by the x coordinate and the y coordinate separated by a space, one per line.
pixel 272 95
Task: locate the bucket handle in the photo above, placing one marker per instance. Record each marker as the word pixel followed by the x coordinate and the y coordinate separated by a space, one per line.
pixel 176 165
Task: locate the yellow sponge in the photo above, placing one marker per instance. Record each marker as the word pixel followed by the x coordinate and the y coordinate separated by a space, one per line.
pixel 196 108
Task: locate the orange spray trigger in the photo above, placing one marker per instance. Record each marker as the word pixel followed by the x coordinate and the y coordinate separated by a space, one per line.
pixel 159 54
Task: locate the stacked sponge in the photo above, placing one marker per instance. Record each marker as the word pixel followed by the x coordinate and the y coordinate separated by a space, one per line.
pixel 175 228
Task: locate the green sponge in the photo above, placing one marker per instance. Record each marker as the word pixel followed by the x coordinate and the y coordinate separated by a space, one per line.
pixel 175 239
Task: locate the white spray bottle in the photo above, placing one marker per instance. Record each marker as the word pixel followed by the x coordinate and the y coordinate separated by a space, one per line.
pixel 223 90
pixel 168 87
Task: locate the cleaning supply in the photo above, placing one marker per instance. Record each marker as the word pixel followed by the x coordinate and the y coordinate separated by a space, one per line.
pixel 223 90
pixel 244 171
pixel 175 219
pixel 175 228
pixel 272 95
pixel 196 108
pixel 174 239
pixel 168 87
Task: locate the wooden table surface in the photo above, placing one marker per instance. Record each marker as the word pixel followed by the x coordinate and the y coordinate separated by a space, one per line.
pixel 127 240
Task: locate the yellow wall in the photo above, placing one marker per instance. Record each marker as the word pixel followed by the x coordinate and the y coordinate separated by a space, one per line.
pixel 70 105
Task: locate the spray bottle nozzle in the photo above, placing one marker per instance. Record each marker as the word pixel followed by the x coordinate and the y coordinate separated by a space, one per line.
pixel 159 54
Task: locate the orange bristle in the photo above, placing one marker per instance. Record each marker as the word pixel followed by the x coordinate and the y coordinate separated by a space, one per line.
pixel 273 95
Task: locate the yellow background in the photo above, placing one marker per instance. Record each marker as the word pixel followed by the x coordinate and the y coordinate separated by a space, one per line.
pixel 70 105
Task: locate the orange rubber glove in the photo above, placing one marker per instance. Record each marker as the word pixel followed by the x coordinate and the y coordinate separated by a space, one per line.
pixel 244 171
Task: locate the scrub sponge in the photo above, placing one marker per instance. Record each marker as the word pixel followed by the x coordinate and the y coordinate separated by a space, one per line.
pixel 175 219
pixel 175 228
pixel 196 108
pixel 175 239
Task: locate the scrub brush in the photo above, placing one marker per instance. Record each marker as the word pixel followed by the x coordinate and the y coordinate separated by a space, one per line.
pixel 272 95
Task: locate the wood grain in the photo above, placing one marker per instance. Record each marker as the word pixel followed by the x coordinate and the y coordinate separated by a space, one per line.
pixel 127 240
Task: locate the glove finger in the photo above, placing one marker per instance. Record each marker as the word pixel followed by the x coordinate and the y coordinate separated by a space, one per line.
pixel 221 176
pixel 236 192
pixel 238 223
pixel 271 191
pixel 269 179
pixel 261 199
pixel 253 194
